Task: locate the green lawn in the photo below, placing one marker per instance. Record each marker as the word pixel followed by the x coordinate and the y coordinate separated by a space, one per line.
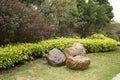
pixel 104 66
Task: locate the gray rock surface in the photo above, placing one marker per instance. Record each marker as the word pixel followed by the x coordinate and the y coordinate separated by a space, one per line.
pixel 80 48
pixel 55 57
pixel 117 77
pixel 75 50
pixel 118 43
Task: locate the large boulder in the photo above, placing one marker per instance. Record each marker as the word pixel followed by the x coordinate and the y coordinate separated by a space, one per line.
pixel 55 57
pixel 76 57
pixel 75 50
pixel 78 62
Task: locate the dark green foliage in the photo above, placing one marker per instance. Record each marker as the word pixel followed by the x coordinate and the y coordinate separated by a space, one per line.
pixel 38 2
pixel 107 6
pixel 100 2
pixel 118 34
pixel 88 17
pixel 92 17
pixel 12 54
pixel 20 24
pixel 51 18
pixel 60 15
pixel 112 30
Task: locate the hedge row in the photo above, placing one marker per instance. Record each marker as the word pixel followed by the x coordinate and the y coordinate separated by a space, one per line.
pixel 98 36
pixel 91 45
pixel 12 54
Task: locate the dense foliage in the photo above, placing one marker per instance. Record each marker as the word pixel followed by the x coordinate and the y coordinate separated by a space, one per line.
pixel 97 36
pixel 19 23
pixel 34 20
pixel 113 30
pixel 92 17
pixel 12 54
pixel 76 16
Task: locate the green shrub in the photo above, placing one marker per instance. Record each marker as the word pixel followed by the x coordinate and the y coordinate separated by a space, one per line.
pixel 19 23
pixel 12 54
pixel 97 36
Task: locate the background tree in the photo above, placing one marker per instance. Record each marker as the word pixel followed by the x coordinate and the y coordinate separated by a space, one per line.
pixel 112 30
pixel 92 17
pixel 107 6
pixel 87 16
pixel 33 1
pixel 60 13
pixel 20 24
pixel 100 2
pixel 76 16
pixel 52 18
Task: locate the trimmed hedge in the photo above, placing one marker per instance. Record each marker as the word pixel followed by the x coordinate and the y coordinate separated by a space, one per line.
pixel 12 54
pixel 91 45
pixel 97 36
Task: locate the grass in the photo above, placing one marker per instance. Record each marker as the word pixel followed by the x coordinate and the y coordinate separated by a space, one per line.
pixel 104 66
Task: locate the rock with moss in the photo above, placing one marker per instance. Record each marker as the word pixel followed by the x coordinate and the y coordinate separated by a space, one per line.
pixel 76 57
pixel 78 62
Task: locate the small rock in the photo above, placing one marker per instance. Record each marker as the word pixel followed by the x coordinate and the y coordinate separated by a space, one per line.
pixel 118 43
pixel 55 57
pixel 117 77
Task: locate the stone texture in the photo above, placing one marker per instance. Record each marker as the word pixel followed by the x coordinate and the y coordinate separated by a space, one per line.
pixel 55 57
pixel 118 43
pixel 75 50
pixel 78 62
pixel 76 57
pixel 117 77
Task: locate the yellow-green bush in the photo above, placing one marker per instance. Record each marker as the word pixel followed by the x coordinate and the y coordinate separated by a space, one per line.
pixel 97 36
pixel 12 54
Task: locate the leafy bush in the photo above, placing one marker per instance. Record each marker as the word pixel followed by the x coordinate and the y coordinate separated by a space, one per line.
pixel 97 36
pixel 19 23
pixel 12 54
